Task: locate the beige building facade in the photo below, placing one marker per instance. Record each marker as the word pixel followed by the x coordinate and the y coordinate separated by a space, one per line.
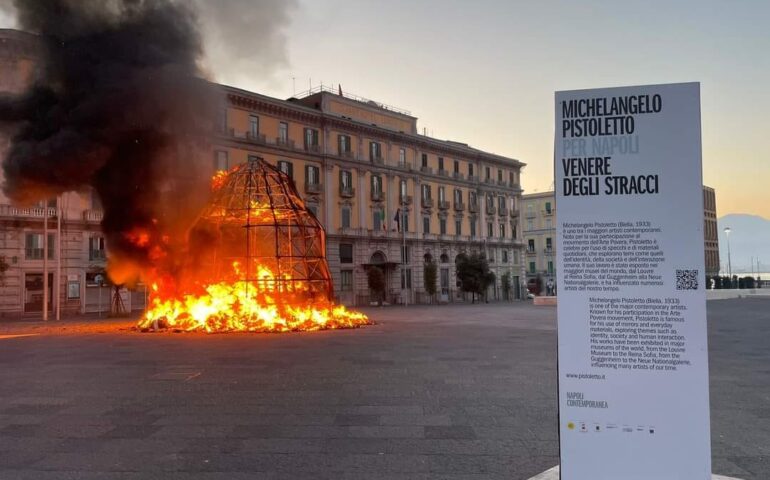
pixel 386 195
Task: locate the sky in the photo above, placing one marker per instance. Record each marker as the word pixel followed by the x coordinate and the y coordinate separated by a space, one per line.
pixel 485 72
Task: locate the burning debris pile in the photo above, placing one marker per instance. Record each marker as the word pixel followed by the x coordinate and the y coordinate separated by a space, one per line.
pixel 258 263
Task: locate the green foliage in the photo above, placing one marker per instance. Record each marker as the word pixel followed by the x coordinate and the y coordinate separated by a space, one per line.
pixel 474 275
pixel 375 278
pixel 430 275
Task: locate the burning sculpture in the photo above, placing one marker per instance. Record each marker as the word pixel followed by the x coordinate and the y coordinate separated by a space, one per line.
pixel 257 263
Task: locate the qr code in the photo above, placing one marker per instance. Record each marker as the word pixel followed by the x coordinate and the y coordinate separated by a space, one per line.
pixel 686 279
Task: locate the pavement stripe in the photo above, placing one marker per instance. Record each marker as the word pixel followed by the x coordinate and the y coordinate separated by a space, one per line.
pixel 5 337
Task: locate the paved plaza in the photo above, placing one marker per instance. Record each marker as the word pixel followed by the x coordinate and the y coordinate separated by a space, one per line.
pixel 444 392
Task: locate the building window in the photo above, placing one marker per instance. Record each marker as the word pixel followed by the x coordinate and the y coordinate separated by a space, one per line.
pixel 405 217
pixel 550 267
pixel 426 224
pixel 34 246
pixel 345 217
pixel 96 249
pixel 311 175
pixel 406 278
pixel 530 224
pixel 401 157
pixel 501 203
pixel 283 133
pixel 502 230
pixel 473 228
pixel 378 219
pixel 346 277
pixel 402 189
pixel 489 229
pixel 424 159
pixel 343 144
pixel 346 180
pixel 516 256
pixel 221 162
pixel 404 253
pixel 472 200
pixel 456 167
pixel 488 173
pixel 441 163
pixel 510 178
pixel 286 167
pixel 547 207
pixel 96 201
pixel 458 196
pixel 505 256
pixel 376 186
pixel 531 245
pixel 513 231
pixel 442 194
pixel 426 192
pixel 499 175
pixel 548 244
pixel 346 253
pixel 253 126
pixel 470 170
pixel 458 227
pixel 491 255
pixel 375 151
pixel 532 268
pixel 311 139
pixel 442 226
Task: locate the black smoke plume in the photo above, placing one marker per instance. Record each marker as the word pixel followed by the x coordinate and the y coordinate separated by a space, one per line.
pixel 120 106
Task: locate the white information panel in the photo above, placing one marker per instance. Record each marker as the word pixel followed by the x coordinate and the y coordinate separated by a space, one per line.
pixel 633 359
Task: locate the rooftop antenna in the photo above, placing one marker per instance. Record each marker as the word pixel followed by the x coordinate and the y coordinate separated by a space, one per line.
pixel 293 86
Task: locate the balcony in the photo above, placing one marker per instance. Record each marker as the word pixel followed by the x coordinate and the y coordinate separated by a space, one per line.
pixel 314 188
pixel 33 212
pixel 404 166
pixel 405 200
pixel 443 173
pixel 491 210
pixel 459 206
pixel 426 169
pixel 315 148
pixel 35 254
pixel 514 212
pixel 284 142
pixel 489 180
pixel 503 211
pixel 377 196
pixel 348 154
pixel 427 202
pixel 256 137
pixel 93 215
pixel 531 251
pixel 377 160
pixel 473 207
pixel 473 178
pixel 443 204
pixel 97 255
pixel 347 192
pixel 548 250
pixel 548 212
pixel 502 183
pixel 458 176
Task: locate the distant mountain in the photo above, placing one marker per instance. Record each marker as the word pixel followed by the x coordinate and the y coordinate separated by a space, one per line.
pixel 749 237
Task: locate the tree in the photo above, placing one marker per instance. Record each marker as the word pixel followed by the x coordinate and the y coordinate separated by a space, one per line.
pixel 429 279
pixel 505 284
pixel 376 280
pixel 474 275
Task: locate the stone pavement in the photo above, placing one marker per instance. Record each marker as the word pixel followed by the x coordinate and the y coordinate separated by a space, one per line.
pixel 445 392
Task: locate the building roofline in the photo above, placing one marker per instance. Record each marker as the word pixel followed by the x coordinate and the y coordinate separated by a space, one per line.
pixel 538 195
pixel 447 145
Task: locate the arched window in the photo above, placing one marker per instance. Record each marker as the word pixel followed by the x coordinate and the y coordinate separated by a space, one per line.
pixel 427 258
pixel 444 258
pixel 378 258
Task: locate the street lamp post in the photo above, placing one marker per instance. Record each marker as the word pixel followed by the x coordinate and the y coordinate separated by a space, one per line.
pixel 729 262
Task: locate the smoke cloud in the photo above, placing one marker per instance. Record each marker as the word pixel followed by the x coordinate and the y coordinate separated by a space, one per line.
pixel 121 107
